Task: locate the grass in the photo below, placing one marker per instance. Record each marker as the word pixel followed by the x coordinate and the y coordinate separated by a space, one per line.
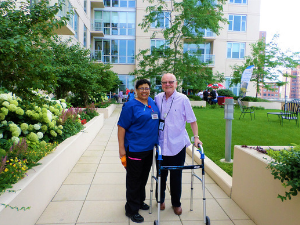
pixel 258 132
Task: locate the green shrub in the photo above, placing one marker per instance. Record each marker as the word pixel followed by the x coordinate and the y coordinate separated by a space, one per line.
pixel 286 168
pixel 225 92
pixel 105 103
pixel 194 98
pixel 254 99
pixel 89 112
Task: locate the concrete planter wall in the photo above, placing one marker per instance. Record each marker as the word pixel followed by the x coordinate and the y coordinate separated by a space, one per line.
pixel 266 105
pixel 213 170
pixel 42 182
pixel 198 103
pixel 255 190
pixel 107 111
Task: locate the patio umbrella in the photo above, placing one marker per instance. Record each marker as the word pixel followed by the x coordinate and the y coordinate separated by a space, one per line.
pixel 216 86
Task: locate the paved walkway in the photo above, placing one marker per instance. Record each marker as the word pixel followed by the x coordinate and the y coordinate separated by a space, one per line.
pixel 94 192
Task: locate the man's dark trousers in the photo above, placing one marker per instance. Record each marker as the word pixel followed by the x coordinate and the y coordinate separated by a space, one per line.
pixel 175 177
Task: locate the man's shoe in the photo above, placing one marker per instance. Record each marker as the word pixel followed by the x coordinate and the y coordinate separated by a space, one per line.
pixel 162 206
pixel 137 218
pixel 144 206
pixel 177 210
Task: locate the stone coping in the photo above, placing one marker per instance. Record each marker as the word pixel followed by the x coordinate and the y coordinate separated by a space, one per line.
pixel 42 182
pixel 198 103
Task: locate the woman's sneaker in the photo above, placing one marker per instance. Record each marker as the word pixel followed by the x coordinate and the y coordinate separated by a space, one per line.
pixel 137 218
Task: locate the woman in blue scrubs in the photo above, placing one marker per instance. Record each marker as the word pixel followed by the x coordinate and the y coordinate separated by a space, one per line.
pixel 137 135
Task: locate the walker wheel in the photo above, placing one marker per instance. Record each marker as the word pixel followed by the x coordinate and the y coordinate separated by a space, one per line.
pixel 155 222
pixel 207 221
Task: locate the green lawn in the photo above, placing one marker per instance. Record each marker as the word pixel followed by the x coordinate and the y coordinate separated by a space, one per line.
pixel 258 132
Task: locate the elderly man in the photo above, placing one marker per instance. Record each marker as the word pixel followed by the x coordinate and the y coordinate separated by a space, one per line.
pixel 175 111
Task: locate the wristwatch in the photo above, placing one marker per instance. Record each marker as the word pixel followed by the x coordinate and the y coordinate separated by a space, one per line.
pixel 196 136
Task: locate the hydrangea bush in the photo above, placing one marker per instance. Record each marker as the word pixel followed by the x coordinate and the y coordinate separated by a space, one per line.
pixel 28 132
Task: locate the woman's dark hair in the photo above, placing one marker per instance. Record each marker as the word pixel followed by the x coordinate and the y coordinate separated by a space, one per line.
pixel 141 82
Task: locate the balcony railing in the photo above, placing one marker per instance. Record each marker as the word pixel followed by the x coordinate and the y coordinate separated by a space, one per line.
pixel 96 29
pixel 205 58
pixel 97 55
pixel 96 26
pixel 207 33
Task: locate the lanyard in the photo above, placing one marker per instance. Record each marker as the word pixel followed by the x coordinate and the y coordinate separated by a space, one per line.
pixel 165 116
pixel 148 106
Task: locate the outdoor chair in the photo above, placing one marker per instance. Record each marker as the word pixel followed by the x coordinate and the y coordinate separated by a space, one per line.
pixel 290 112
pixel 245 109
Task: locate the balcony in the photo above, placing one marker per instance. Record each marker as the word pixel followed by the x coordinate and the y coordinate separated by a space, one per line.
pixel 67 29
pixel 97 4
pixel 205 58
pixel 207 33
pixel 97 55
pixel 96 29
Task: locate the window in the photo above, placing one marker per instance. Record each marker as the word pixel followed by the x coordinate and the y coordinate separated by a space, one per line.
pixel 238 1
pixel 234 88
pixel 120 3
pixel 75 24
pixel 213 2
pixel 85 5
pixel 237 22
pixel 127 81
pixel 85 36
pixel 115 23
pixel 157 44
pixel 235 50
pixel 162 20
pixel 116 51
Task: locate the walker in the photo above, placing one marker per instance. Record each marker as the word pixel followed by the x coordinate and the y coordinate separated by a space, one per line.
pixel 157 149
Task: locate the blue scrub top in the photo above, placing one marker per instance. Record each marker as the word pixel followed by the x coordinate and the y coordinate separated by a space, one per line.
pixel 130 96
pixel 141 131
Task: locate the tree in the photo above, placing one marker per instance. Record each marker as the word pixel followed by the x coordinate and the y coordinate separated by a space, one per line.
pixel 25 57
pixel 76 73
pixel 269 61
pixel 179 23
pixel 32 57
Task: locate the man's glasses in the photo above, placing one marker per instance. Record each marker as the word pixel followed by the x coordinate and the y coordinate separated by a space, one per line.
pixel 143 89
pixel 168 82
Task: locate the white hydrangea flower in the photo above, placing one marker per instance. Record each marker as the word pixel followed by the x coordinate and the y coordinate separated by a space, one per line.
pixel 36 126
pixel 40 135
pixel 64 105
pixel 15 140
pixel 3 97
pixel 1 135
pixel 49 115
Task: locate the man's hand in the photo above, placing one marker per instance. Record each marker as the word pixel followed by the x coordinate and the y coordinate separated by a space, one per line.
pixel 197 142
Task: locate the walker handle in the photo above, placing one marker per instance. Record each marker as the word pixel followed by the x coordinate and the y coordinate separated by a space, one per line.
pixel 200 150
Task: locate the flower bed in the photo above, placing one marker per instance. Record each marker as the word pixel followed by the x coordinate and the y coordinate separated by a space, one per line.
pixel 42 182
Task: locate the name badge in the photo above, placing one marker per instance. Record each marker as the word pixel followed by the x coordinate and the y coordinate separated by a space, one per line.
pixel 154 115
pixel 161 124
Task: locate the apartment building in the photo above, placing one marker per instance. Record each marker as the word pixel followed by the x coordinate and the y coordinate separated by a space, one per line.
pixel 295 84
pixel 275 94
pixel 109 28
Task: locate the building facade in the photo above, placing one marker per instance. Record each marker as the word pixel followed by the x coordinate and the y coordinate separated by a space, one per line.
pixel 109 28
pixel 295 84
